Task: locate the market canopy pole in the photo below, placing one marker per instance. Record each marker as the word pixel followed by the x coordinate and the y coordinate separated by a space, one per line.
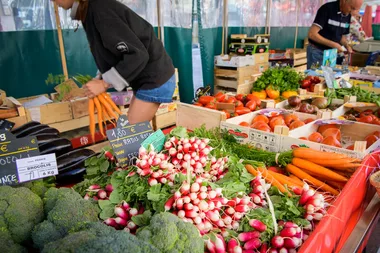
pixel 60 40
pixel 225 27
pixel 267 25
pixel 159 19
pixel 297 13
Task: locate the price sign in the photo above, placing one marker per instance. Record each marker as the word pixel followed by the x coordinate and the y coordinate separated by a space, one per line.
pixel 6 125
pixel 12 149
pixel 126 139
pixel 36 167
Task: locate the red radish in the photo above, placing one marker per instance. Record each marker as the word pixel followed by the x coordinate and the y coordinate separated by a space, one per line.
pixel 305 196
pixel 188 206
pixel 230 211
pixel 213 216
pixel 272 251
pixel 163 180
pixel 210 246
pixel 292 251
pixel 169 203
pixel 309 209
pixel 195 187
pixel 120 212
pixel 168 145
pixel 109 188
pixel 131 174
pixel 86 197
pixel 126 230
pixel 247 236
pixel 241 208
pixel 227 220
pixel 146 172
pixel 235 225
pixel 203 206
pixel 186 147
pixel 255 243
pixel 283 250
pixel 111 222
pixel 258 225
pixel 197 220
pixel 94 187
pixel 203 189
pixel 317 216
pixel 186 200
pixel 185 188
pixel 297 190
pixel 256 199
pixel 102 194
pixel 120 221
pixel 220 224
pixel 315 202
pixel 212 194
pixel 179 203
pixel 239 249
pixel 277 241
pixel 291 243
pixel 156 161
pixel 125 205
pixel 191 214
pixel 142 151
pixel 131 225
pixel 232 243
pixel 245 200
pixel 193 196
pixel 109 156
pixel 133 212
pixel 196 202
pixel 181 214
pixel 172 152
pixel 288 232
pixel 180 148
pixel 220 244
pixel 152 181
pixel 264 248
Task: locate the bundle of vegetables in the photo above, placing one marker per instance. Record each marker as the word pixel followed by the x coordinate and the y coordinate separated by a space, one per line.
pixel 309 83
pixel 106 110
pixel 368 116
pixel 268 124
pixel 311 106
pixel 243 103
pixel 278 80
pixel 361 95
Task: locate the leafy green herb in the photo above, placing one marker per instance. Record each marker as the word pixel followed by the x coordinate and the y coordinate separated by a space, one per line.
pixel 142 219
pixel 179 132
pixel 284 79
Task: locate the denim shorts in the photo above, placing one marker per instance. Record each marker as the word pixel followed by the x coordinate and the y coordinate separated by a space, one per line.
pixel 314 55
pixel 162 94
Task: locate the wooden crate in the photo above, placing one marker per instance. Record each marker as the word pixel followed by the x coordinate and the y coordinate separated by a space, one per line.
pixel 3 95
pixel 79 107
pixel 192 117
pixel 19 121
pixel 261 58
pixel 260 68
pixel 164 120
pixel 241 89
pixel 232 77
pixel 299 57
pixel 301 68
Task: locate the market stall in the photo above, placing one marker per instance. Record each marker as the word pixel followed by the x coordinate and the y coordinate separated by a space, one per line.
pixel 267 156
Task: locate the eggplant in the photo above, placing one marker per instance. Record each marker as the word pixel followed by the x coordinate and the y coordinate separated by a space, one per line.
pixel 31 130
pixel 43 138
pixel 24 127
pixel 49 130
pixel 71 177
pixel 73 158
pixel 58 146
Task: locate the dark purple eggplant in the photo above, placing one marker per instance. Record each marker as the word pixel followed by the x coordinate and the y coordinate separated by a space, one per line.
pixel 73 158
pixel 59 147
pixel 71 177
pixel 24 127
pixel 49 130
pixel 44 138
pixel 31 130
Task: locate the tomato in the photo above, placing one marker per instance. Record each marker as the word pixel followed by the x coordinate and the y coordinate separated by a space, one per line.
pixel 259 124
pixel 198 104
pixel 351 147
pixel 365 119
pixel 365 113
pixel 260 94
pixel 251 105
pixel 303 138
pixel 231 100
pixel 244 124
pixel 311 88
pixel 228 115
pixel 296 124
pixel 316 137
pixel 305 84
pixel 376 122
pixel 264 128
pixel 272 92
pixel 288 94
pixel 316 80
pixel 309 78
pixel 242 110
pixel 322 128
pixel 254 98
pixel 261 118
pixel 332 141
pixel 290 118
pixel 307 121
pixel 239 104
pixel 239 97
pixel 276 121
pixel 371 139
pixel 377 133
pixel 332 132
pixel 204 100
pixel 211 106
pixel 220 96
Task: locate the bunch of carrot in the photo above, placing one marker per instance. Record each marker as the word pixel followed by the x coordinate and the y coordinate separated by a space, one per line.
pixel 107 111
pixel 325 171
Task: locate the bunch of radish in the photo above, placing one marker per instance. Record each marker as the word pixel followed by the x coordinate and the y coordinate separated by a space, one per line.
pixel 258 190
pixel 289 238
pixel 313 202
pixel 124 213
pixel 206 208
pixel 97 193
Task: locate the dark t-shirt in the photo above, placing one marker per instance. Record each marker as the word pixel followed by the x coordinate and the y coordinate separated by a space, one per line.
pixel 332 22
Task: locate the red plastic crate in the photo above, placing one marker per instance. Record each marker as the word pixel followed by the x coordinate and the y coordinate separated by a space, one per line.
pixel 86 140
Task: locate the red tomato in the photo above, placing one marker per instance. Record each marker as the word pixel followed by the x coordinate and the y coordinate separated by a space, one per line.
pixel 204 100
pixel 276 121
pixel 307 121
pixel 305 84
pixel 220 96
pixel 242 110
pixel 251 105
pixel 261 118
pixel 366 119
pixel 377 133
pixel 332 141
pixel 366 113
pixel 211 106
pixel 371 139
pixel 316 137
pixel 296 124
pixel 239 97
pixel 231 100
pixel 244 124
pixel 228 115
pixel 252 97
pixel 238 103
pixel 198 104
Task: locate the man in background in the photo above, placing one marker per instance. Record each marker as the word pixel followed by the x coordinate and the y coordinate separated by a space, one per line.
pixel 330 29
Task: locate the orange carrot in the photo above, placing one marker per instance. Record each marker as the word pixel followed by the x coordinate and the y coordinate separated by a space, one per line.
pixel 107 117
pixel 107 106
pixel 251 170
pixel 337 185
pixel 284 179
pixel 346 166
pixel 91 111
pixel 307 153
pixel 331 163
pixel 110 101
pixel 296 179
pixel 100 116
pixel 301 174
pixel 270 179
pixel 316 169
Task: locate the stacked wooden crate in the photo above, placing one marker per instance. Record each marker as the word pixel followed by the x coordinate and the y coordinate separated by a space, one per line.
pixel 234 79
pixel 299 57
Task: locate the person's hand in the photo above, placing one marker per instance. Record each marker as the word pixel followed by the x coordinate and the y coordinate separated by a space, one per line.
pixel 339 47
pixel 95 87
pixel 349 49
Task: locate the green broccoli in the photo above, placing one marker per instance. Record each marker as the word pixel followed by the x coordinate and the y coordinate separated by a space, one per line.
pixel 100 238
pixel 8 245
pixel 39 187
pixel 20 211
pixel 171 235
pixel 67 212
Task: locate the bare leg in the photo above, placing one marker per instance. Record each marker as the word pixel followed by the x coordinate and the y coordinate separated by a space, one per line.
pixel 140 111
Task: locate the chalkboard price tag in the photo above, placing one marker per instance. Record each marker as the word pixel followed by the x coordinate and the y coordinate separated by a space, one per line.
pixel 6 125
pixel 36 167
pixel 126 140
pixel 12 149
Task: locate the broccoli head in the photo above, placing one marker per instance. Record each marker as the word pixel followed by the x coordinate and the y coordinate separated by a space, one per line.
pixel 20 211
pixel 68 212
pixel 100 238
pixel 39 187
pixel 171 235
pixel 8 245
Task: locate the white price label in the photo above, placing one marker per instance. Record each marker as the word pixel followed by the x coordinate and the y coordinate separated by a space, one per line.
pixel 36 167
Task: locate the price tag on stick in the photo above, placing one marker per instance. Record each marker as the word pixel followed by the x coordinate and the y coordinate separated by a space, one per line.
pixel 36 167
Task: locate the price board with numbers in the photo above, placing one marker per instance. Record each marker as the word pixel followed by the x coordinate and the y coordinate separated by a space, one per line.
pixel 6 125
pixel 12 149
pixel 126 140
pixel 36 167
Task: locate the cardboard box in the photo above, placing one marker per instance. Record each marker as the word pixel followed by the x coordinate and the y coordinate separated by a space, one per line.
pixel 350 135
pixel 261 58
pixel 234 61
pixel 260 68
pixel 122 98
pixel 166 107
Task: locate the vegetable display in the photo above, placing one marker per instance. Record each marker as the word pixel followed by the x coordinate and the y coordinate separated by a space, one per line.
pixel 361 95
pixel 368 116
pixel 278 80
